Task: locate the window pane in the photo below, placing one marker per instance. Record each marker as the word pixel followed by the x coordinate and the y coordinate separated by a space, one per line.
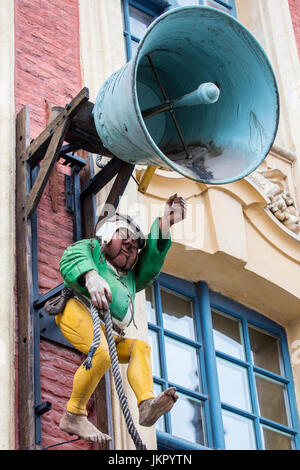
pixel 150 305
pixel 125 48
pixel 134 46
pixel 139 21
pixel 265 350
pixel 160 423
pixel 272 399
pixel 227 335
pixel 275 440
pixel 123 15
pixel 155 357
pixel 234 386
pixel 184 3
pixel 238 432
pixel 177 314
pixel 187 419
pixel 214 4
pixel 182 364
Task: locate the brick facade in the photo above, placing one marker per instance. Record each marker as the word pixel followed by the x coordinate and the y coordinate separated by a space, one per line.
pixel 47 72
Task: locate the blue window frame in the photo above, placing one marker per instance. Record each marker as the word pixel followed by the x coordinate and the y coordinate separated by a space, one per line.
pixel 167 343
pixel 228 6
pixel 138 14
pixel 230 366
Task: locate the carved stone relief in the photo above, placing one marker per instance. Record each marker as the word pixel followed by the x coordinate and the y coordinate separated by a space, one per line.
pixel 272 182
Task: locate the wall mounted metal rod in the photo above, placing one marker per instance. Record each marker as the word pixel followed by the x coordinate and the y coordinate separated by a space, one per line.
pixel 167 101
pixel 206 93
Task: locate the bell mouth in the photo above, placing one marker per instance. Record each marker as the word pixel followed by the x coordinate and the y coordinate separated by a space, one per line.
pixel 217 143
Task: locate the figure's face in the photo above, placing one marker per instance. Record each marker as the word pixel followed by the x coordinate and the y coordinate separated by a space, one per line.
pixel 122 250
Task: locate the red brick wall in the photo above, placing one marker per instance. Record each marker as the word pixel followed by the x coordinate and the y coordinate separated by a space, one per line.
pixel 47 70
pixel 295 13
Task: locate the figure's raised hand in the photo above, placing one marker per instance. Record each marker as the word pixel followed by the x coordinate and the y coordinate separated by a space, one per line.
pixel 175 211
pixel 98 289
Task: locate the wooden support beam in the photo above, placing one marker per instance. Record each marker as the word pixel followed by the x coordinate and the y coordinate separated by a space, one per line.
pixel 83 130
pixel 118 188
pixel 88 203
pixel 102 177
pixel 120 184
pixel 36 150
pixel 52 112
pixel 24 289
pixel 47 166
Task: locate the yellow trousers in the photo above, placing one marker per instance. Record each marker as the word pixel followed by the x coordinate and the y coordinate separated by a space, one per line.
pixel 77 327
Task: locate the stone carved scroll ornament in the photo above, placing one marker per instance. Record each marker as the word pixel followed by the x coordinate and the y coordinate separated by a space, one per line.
pixel 279 201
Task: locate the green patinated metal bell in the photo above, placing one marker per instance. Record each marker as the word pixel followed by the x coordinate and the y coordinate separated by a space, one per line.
pixel 199 96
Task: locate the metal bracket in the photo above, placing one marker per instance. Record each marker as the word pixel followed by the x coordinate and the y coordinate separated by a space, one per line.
pixel 39 410
pixel 70 159
pixel 43 408
pixel 77 164
pixel 49 330
pixel 69 193
pixel 146 178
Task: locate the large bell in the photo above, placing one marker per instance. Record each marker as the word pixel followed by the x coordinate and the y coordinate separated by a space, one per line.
pixel 217 134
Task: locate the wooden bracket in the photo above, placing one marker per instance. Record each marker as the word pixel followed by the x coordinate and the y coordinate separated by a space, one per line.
pixel 36 150
pixel 74 124
pixel 53 137
pixel 118 188
pixel 47 166
pixel 24 289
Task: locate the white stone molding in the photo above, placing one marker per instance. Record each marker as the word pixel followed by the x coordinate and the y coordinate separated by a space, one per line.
pixel 270 22
pixel 102 49
pixel 7 230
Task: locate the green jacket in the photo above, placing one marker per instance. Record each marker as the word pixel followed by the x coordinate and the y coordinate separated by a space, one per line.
pixel 84 256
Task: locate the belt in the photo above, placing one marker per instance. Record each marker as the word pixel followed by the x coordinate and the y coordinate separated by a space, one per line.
pixel 56 305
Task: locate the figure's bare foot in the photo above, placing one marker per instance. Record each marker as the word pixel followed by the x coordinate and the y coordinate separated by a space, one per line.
pixel 82 427
pixel 151 410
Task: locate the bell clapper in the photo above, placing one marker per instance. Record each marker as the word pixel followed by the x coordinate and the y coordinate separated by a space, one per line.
pixel 206 93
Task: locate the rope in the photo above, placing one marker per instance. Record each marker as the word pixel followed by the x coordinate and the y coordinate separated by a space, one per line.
pixel 116 373
pixel 96 337
pixel 61 443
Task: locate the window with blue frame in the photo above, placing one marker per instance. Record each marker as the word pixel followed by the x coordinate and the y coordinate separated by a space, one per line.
pixel 228 6
pixel 139 14
pixel 230 366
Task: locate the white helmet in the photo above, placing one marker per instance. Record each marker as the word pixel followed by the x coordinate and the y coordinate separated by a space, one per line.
pixel 106 228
